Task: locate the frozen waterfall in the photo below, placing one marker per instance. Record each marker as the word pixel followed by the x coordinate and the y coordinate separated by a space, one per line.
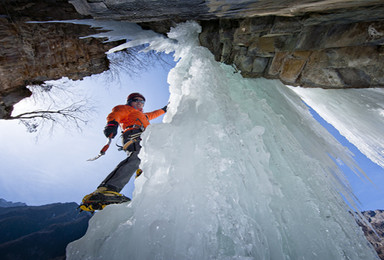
pixel 238 170
pixel 365 128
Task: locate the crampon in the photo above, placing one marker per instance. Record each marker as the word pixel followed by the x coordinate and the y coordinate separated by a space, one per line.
pixel 98 201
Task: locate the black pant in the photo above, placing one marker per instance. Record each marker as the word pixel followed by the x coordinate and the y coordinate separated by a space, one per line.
pixel 123 172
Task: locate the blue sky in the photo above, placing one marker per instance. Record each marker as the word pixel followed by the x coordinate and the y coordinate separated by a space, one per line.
pixel 370 196
pixel 54 167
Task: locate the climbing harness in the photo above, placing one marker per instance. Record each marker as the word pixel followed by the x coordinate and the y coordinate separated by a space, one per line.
pixel 130 138
pixel 134 138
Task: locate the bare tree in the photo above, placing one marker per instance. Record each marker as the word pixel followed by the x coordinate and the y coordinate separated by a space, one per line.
pixel 73 114
pixel 130 61
pixel 133 61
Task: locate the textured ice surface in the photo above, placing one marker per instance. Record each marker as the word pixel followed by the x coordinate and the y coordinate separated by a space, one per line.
pixel 238 170
pixel 358 114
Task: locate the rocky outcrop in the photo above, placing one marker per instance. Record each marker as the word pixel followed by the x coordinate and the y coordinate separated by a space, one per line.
pixel 161 10
pixel 376 220
pixel 309 51
pixel 31 53
pixel 327 44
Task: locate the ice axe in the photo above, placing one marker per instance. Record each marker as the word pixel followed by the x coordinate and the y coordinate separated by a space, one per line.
pixel 103 150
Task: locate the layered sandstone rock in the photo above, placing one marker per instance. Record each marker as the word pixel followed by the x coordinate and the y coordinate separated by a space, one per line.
pixel 160 10
pixel 301 50
pixel 328 43
pixel 31 53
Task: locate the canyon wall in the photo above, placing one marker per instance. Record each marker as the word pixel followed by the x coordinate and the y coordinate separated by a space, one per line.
pixel 31 53
pixel 160 10
pixel 327 44
pixel 302 50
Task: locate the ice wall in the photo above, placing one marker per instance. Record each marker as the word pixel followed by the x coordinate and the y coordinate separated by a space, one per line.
pixel 358 114
pixel 238 170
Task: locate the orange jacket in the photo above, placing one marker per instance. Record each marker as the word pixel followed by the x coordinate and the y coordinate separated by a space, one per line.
pixel 128 117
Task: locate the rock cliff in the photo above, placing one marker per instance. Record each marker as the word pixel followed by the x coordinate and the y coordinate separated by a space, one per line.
pixel 31 53
pixel 161 10
pixel 376 219
pixel 314 50
pixel 326 43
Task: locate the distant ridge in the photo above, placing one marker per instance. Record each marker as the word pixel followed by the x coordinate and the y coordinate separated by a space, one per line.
pixel 39 232
pixel 8 204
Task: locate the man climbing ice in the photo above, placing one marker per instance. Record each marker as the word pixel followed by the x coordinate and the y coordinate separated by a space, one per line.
pixel 132 121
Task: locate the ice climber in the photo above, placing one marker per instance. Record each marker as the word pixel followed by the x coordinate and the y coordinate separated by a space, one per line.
pixel 132 121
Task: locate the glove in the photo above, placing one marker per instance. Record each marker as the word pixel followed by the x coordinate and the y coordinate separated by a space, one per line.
pixel 165 108
pixel 110 130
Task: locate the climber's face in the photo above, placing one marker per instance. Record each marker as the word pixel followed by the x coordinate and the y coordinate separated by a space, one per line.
pixel 138 103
